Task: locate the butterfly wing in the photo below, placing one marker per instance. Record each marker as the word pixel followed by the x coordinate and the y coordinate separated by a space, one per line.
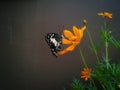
pixel 54 41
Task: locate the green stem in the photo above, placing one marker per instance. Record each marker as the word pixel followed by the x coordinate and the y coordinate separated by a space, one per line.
pixel 83 59
pixel 93 82
pixel 91 41
pixel 106 44
pixel 106 50
pixel 111 87
pixel 103 87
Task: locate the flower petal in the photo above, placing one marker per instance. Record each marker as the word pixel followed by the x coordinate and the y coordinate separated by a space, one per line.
pixel 72 39
pixel 68 34
pixel 65 41
pixel 100 14
pixel 86 73
pixel 109 15
pixel 83 28
pixel 69 48
pixel 76 31
pixel 105 15
pixel 81 31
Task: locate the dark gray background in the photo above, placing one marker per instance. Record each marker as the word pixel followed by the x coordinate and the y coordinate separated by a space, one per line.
pixel 26 62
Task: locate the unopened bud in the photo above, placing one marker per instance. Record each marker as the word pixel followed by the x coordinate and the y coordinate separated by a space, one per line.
pixel 84 21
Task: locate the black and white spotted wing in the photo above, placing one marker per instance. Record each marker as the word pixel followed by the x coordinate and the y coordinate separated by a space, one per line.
pixel 54 41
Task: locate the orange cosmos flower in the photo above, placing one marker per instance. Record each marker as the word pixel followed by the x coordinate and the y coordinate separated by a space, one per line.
pixel 72 39
pixel 105 15
pixel 86 73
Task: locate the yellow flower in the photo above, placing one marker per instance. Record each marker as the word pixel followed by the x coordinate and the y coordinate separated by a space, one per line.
pixel 72 39
pixel 105 15
pixel 86 73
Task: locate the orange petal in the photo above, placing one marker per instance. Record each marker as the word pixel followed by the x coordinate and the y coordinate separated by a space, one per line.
pixel 83 28
pixel 81 31
pixel 68 34
pixel 69 48
pixel 109 15
pixel 65 41
pixel 86 79
pixel 100 14
pixel 105 14
pixel 76 31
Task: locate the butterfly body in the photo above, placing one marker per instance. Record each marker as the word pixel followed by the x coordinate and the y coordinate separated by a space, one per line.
pixel 54 41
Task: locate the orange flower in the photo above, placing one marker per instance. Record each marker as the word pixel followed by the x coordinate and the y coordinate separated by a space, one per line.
pixel 86 73
pixel 105 15
pixel 72 39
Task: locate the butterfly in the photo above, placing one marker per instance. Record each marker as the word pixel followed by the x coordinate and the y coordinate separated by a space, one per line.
pixel 54 41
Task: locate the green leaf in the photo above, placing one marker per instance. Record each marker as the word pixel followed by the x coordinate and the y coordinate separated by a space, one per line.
pixel 76 85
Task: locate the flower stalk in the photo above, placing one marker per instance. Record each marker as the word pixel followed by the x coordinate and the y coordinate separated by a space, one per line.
pixel 91 41
pixel 83 59
pixel 93 46
pixel 106 43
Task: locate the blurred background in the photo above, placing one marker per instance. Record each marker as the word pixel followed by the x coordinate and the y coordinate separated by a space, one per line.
pixel 26 62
